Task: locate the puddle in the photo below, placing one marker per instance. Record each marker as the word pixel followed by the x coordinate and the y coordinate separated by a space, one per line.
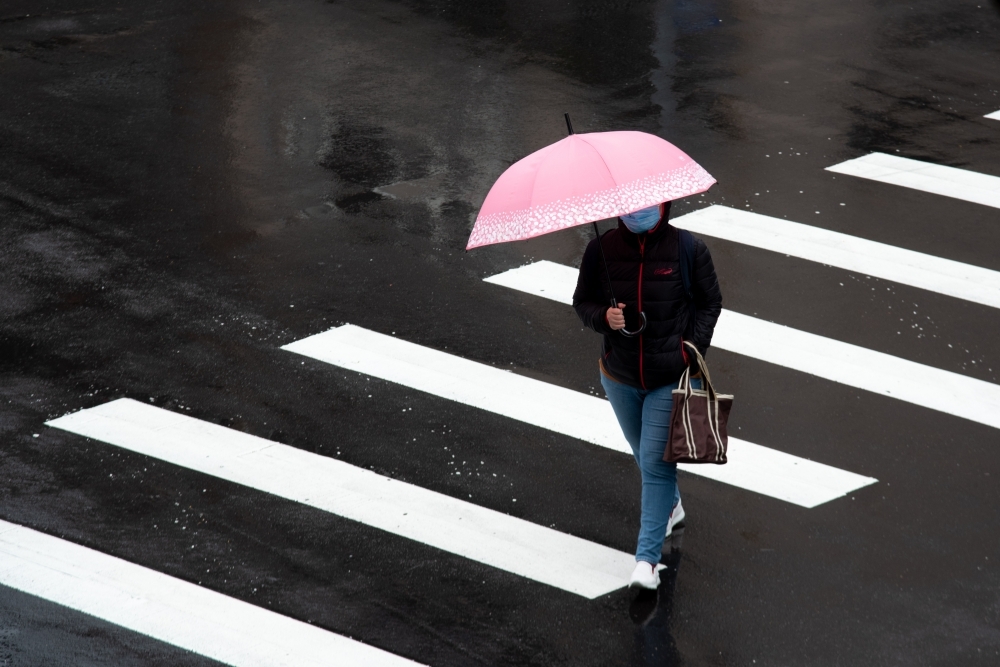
pixel 428 190
pixel 324 211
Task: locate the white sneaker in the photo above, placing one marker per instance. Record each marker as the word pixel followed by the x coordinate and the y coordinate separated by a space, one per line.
pixel 676 518
pixel 645 576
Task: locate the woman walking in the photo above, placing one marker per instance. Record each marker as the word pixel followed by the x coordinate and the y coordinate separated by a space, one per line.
pixel 640 371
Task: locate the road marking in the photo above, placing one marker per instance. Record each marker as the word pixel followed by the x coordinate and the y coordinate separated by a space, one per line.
pixel 944 276
pixel 848 364
pixel 169 609
pixel 995 115
pixel 936 179
pixel 452 525
pixel 588 418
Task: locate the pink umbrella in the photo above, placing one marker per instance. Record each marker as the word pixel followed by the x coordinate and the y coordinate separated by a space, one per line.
pixel 584 178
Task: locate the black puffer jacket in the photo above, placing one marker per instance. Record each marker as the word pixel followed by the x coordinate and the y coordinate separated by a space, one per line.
pixel 645 271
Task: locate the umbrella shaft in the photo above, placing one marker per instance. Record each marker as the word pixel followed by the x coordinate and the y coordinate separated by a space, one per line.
pixel 607 271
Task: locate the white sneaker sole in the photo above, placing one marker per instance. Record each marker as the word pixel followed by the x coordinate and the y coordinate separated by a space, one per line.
pixel 635 584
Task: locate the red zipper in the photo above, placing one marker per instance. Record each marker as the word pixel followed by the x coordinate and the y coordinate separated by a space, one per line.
pixel 642 258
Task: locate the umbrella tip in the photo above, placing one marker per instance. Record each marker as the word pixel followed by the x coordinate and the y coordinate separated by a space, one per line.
pixel 569 123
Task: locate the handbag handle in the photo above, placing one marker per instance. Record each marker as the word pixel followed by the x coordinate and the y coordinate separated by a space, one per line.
pixel 703 367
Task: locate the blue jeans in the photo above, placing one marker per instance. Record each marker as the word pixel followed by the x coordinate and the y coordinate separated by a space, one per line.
pixel 644 416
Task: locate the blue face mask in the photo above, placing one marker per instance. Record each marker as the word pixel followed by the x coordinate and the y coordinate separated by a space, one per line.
pixel 642 220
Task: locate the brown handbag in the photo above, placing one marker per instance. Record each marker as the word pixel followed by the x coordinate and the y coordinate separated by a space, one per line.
pixel 698 419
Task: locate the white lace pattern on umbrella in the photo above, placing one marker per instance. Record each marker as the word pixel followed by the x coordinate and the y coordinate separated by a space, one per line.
pixel 531 222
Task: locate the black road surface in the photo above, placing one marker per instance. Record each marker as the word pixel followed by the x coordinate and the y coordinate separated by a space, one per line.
pixel 186 186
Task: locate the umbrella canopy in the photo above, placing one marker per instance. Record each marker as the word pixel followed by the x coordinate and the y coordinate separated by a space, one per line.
pixel 583 178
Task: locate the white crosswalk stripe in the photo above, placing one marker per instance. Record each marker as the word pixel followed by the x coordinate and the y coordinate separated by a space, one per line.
pixel 450 524
pixel 588 418
pixel 944 276
pixel 834 360
pixel 169 609
pixel 995 115
pixel 948 181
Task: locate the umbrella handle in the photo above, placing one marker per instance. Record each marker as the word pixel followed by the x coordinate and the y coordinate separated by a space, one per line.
pixel 629 334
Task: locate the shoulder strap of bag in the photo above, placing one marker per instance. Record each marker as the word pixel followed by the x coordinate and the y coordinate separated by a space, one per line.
pixel 686 251
pixel 685 245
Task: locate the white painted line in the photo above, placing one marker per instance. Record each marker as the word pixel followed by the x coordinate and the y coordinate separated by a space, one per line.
pixel 171 610
pixel 544 278
pixel 562 410
pixel 944 276
pixel 936 179
pixel 848 364
pixel 453 525
pixel 861 368
pixel 995 115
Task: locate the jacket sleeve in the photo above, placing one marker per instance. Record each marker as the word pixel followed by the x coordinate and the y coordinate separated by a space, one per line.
pixel 588 299
pixel 707 297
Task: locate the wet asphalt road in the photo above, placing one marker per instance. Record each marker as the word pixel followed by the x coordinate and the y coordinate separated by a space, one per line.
pixel 187 186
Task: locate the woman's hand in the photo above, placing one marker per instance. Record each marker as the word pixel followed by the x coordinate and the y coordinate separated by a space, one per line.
pixel 615 317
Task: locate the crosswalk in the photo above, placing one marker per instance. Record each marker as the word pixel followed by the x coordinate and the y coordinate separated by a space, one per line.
pixel 578 415
pixel 927 272
pixel 823 357
pixel 447 523
pixel 238 633
pixel 171 610
pixel 995 115
pixel 936 179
